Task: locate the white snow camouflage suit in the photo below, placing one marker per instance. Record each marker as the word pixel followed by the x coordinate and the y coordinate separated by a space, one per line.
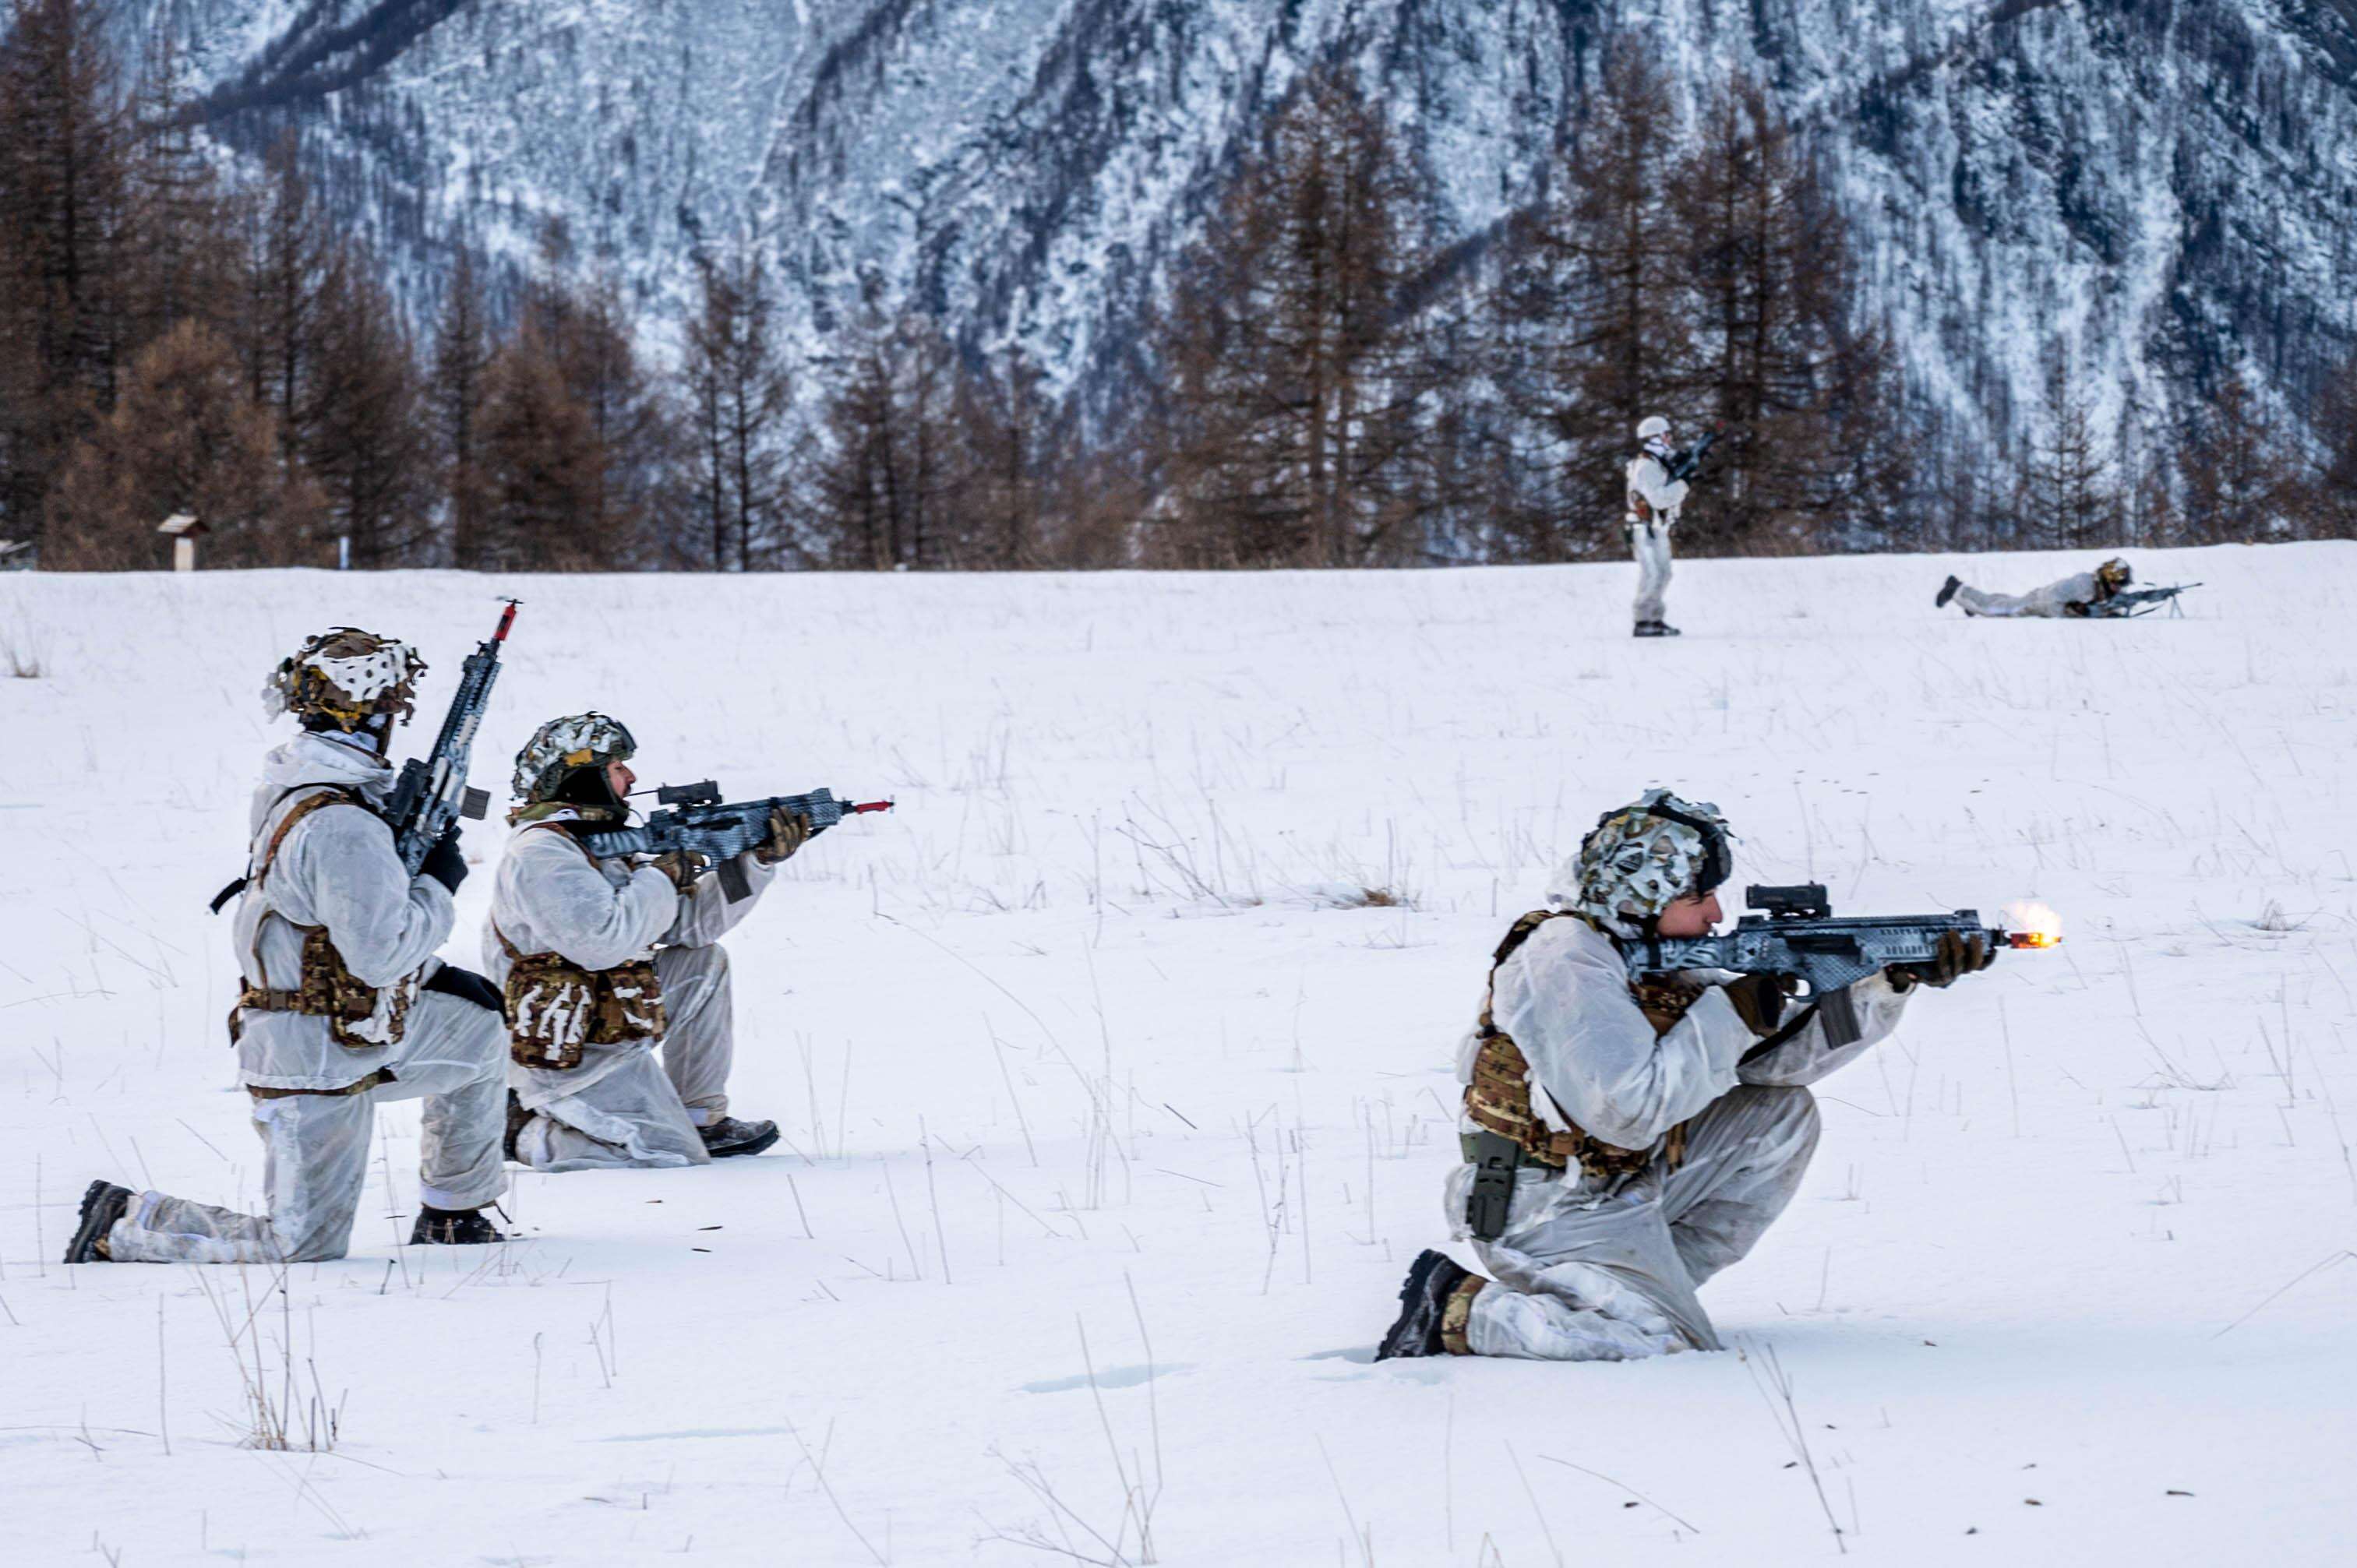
pixel 337 868
pixel 1649 537
pixel 2053 600
pixel 621 1107
pixel 1606 1268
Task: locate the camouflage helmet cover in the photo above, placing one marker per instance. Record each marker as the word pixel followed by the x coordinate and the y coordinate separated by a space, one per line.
pixel 559 745
pixel 1642 857
pixel 345 676
pixel 2113 576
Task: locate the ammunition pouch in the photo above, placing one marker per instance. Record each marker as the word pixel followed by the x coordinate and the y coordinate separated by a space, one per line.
pixel 1498 1102
pixel 1491 1199
pixel 360 1017
pixel 555 1008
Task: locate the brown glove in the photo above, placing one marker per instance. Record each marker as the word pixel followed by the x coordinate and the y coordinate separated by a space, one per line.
pixel 1954 956
pixel 1758 1001
pixel 789 831
pixel 683 866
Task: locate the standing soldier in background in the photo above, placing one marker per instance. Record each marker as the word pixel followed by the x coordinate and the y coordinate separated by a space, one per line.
pixel 1655 499
pixel 342 1004
pixel 1655 1128
pixel 2077 597
pixel 602 959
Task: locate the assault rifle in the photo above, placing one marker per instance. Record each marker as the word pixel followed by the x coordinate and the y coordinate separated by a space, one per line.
pixel 702 825
pixel 2140 602
pixel 1681 465
pixel 430 795
pixel 1799 937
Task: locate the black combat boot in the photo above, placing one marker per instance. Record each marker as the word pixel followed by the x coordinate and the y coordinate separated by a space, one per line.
pixel 102 1205
pixel 1947 591
pixel 453 1228
pixel 1431 1279
pixel 728 1137
pixel 1657 629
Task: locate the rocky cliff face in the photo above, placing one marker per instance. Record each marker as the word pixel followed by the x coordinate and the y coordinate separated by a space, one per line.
pixel 2165 189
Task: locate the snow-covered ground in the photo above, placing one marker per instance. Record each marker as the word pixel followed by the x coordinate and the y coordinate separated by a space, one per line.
pixel 1117 1109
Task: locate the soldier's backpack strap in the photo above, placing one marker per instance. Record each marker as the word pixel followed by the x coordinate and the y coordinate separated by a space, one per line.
pixel 330 795
pixel 359 1016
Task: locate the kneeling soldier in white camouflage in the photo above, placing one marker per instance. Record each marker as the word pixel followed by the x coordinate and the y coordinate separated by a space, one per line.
pixel 600 959
pixel 2074 597
pixel 343 1004
pixel 1658 1128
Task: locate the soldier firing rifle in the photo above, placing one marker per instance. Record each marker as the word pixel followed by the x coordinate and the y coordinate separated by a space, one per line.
pixel 1636 1113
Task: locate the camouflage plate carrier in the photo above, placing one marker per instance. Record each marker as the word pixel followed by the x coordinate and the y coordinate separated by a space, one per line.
pixel 555 1008
pixel 1499 1098
pixel 360 1017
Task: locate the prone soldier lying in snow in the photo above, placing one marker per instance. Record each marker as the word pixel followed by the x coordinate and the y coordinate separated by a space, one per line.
pixel 1659 1126
pixel 2077 597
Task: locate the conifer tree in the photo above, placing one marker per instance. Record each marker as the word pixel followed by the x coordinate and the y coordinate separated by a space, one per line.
pixel 367 446
pixel 64 221
pixel 455 396
pixel 1811 455
pixel 1294 391
pixel 1596 301
pixel 737 395
pixel 184 436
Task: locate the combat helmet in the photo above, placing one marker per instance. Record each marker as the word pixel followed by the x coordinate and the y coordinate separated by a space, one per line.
pixel 2112 576
pixel 566 760
pixel 346 679
pixel 1642 857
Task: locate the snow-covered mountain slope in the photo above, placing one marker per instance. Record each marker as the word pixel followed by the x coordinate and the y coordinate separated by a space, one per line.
pixel 2164 187
pixel 1096 1035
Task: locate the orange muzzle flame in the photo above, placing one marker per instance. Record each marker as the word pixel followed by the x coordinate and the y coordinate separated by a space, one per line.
pixel 2034 926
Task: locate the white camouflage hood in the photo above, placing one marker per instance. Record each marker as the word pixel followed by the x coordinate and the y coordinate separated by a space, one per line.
pixel 314 758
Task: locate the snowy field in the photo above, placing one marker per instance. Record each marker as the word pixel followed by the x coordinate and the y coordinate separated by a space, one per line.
pixel 1116 1068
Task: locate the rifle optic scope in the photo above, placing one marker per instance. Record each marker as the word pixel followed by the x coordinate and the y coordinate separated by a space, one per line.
pixel 1800 901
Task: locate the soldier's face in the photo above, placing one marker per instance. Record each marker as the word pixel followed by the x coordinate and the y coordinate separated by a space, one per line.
pixel 619 775
pixel 1695 914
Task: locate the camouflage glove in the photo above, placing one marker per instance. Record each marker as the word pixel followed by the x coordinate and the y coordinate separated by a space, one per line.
pixel 789 831
pixel 1758 1001
pixel 1956 955
pixel 683 866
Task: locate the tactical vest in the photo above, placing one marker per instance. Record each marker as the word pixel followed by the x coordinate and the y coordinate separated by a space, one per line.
pixel 359 1016
pixel 1641 511
pixel 1499 1098
pixel 555 1008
